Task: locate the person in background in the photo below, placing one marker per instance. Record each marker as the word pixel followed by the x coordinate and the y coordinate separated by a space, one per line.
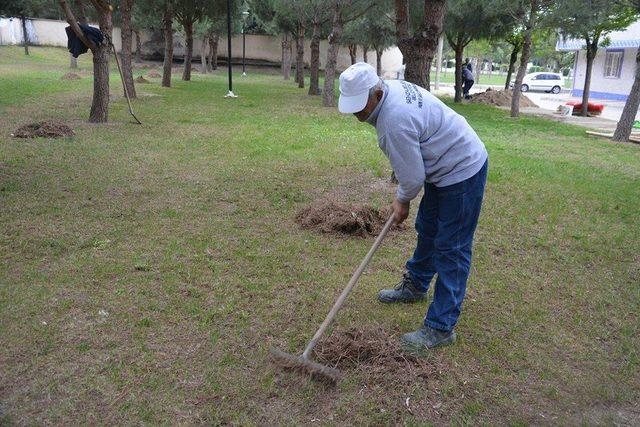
pixel 467 81
pixel 467 64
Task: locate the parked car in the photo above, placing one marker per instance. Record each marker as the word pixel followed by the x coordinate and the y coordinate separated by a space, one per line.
pixel 548 82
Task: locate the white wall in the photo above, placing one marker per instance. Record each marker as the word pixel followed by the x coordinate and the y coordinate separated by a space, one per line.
pixel 51 33
pixel 619 86
pixel 269 48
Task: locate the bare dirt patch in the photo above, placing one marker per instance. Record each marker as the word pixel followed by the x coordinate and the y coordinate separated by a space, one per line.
pixel 71 76
pixel 45 129
pixel 500 98
pixel 141 79
pixel 330 216
pixel 154 74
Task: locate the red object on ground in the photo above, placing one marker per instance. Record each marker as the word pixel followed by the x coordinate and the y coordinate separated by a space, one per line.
pixel 591 107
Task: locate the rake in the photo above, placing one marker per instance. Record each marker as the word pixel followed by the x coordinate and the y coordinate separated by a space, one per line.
pixel 303 363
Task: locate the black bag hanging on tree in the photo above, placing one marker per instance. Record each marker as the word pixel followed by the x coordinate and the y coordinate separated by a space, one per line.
pixel 76 46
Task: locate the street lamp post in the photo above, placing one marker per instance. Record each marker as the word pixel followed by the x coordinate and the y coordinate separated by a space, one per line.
pixel 229 94
pixel 244 21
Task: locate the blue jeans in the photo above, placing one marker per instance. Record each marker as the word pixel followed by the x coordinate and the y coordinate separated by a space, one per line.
pixel 446 221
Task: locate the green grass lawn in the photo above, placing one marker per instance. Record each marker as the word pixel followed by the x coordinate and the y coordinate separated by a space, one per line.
pixel 146 270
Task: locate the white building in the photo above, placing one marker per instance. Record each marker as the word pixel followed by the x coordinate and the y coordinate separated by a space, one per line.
pixel 613 68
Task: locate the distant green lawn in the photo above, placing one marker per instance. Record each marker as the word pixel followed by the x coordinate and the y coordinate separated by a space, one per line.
pixel 146 270
pixel 485 79
pixel 493 79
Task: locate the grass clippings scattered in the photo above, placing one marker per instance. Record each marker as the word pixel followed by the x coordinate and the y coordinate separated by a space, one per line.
pixel 500 98
pixel 343 218
pixel 45 129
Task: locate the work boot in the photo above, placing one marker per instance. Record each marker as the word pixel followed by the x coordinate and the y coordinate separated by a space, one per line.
pixel 420 341
pixel 405 292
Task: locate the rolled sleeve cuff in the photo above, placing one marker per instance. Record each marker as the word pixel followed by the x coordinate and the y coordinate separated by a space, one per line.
pixel 407 196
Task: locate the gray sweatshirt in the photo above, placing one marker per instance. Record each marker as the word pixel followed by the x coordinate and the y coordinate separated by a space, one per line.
pixel 425 140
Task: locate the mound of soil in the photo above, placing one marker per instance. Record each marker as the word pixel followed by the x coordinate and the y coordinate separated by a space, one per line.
pixel 371 350
pixel 154 74
pixel 45 129
pixel 500 98
pixel 141 79
pixel 341 218
pixel 71 76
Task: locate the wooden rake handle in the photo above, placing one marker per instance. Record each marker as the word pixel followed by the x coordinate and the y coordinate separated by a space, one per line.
pixel 347 290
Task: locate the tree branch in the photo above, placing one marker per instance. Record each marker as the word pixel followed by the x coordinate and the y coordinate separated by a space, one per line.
pixel 74 25
pixel 102 6
pixel 358 14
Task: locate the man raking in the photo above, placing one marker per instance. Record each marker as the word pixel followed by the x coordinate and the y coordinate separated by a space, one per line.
pixel 429 146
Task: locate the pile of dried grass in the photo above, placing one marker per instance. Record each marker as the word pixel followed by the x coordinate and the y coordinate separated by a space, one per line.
pixel 500 98
pixel 70 76
pixel 371 351
pixel 348 219
pixel 45 129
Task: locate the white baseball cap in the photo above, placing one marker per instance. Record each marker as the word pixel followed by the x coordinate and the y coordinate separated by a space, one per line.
pixel 355 83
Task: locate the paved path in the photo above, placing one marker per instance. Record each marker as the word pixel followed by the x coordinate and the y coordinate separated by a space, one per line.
pixel 548 104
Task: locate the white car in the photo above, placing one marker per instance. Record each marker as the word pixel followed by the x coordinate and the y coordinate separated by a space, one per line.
pixel 548 82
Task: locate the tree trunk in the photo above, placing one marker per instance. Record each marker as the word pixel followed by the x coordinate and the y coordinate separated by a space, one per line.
pixel 418 50
pixel 512 64
pixel 314 69
pixel 100 103
pixel 379 61
pixel 353 53
pixel 364 54
pixel 332 57
pixel 125 53
pixel 459 49
pixel 479 66
pixel 203 55
pixel 24 34
pixel 286 56
pixel 214 38
pixel 524 59
pixel 300 55
pixel 625 125
pixel 167 22
pixel 138 57
pixel 592 49
pixel 188 32
pixel 73 62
